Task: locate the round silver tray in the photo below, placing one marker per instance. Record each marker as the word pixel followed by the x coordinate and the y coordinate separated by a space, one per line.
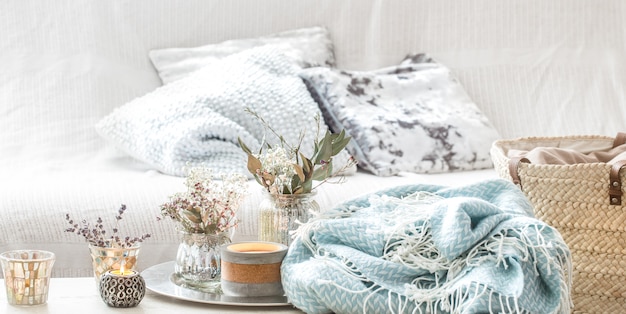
pixel 159 279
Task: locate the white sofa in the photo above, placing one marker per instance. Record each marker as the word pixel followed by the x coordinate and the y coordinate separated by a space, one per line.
pixel 534 68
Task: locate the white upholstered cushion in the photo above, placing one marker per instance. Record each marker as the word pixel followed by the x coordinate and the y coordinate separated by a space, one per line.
pixel 305 47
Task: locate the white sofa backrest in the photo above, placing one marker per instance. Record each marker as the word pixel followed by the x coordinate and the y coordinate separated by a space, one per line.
pixel 534 67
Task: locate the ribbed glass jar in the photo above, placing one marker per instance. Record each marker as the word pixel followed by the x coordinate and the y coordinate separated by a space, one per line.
pixel 280 214
pixel 198 260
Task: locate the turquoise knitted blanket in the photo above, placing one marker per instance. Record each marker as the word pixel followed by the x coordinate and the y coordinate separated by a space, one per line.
pixel 430 249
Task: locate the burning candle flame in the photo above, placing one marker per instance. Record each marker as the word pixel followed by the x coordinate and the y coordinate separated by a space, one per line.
pixel 122 271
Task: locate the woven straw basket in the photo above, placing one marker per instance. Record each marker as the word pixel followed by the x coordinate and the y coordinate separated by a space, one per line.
pixel 584 203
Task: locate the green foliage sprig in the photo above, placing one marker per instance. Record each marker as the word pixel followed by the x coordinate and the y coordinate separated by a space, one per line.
pixel 286 170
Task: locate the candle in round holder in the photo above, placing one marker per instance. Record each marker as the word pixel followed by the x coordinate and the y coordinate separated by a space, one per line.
pixel 122 288
pixel 252 269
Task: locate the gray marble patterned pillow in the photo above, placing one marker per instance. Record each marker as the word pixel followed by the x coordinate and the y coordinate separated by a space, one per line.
pixel 414 117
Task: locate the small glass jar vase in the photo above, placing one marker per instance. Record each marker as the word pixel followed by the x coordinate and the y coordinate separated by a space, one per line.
pixel 280 214
pixel 112 258
pixel 198 260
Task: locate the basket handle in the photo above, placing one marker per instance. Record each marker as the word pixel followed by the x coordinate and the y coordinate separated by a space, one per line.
pixel 513 168
pixel 615 187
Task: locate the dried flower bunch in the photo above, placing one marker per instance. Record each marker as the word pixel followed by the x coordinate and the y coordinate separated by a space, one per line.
pixel 97 235
pixel 285 170
pixel 207 206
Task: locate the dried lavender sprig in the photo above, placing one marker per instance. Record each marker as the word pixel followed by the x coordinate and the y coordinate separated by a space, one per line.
pixel 96 235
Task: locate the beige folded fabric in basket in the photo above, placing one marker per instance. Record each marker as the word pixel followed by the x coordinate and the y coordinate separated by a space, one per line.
pixel 575 185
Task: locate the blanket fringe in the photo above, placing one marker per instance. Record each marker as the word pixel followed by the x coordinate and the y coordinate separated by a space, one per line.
pixel 528 240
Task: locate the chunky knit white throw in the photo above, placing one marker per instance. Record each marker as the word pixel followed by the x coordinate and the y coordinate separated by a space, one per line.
pixel 196 120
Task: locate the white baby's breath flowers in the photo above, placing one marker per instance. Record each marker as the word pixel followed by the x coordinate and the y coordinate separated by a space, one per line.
pixel 276 163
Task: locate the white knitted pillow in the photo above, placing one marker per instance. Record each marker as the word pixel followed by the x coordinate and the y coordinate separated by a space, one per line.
pixel 305 47
pixel 414 117
pixel 196 120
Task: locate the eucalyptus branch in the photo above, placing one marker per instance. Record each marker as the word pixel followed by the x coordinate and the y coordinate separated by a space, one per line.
pixel 337 174
pixel 286 170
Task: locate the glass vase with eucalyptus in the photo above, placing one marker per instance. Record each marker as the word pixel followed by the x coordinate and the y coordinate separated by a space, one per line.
pixel 287 174
pixel 281 214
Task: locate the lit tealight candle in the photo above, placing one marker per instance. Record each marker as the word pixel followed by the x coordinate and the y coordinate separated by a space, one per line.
pixel 123 272
pixel 122 287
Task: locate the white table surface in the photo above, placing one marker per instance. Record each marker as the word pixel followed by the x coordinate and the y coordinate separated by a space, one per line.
pixel 80 295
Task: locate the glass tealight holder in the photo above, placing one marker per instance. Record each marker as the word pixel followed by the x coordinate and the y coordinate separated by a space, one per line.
pixel 27 276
